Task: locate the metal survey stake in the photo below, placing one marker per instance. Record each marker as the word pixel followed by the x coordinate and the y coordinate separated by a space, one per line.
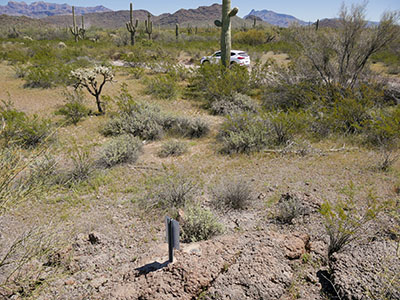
pixel 173 231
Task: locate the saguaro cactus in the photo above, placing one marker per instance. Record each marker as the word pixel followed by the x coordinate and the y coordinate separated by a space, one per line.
pixel 149 25
pixel 317 25
pixel 177 31
pixel 82 31
pixel 225 24
pixel 74 29
pixel 132 27
pixel 254 22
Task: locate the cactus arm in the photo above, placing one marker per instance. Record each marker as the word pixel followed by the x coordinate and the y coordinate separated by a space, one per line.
pixel 233 12
pixel 218 23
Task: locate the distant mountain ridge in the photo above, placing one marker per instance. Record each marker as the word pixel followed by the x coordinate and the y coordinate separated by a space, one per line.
pixel 43 9
pixel 274 18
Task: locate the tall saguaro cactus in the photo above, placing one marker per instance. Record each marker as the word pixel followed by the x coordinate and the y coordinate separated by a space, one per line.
pixel 131 27
pixel 82 31
pixel 177 31
pixel 149 25
pixel 225 24
pixel 74 29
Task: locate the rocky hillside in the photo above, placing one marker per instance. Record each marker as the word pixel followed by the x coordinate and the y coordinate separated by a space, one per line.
pixel 202 16
pixel 43 9
pixel 274 18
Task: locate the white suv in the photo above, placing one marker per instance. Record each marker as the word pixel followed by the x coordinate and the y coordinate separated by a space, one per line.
pixel 237 57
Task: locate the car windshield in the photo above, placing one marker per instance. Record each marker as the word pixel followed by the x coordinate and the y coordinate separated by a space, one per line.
pixel 218 54
pixel 243 54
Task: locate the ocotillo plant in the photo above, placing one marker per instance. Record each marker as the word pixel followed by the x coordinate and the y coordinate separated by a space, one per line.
pixel 225 24
pixel 177 31
pixel 74 29
pixel 82 31
pixel 132 27
pixel 149 25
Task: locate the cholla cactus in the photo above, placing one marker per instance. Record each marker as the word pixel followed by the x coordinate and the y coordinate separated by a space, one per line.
pixel 93 79
pixel 225 24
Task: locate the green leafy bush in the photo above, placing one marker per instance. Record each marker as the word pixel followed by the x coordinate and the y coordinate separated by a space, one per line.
pixel 173 148
pixel 254 37
pixel 162 87
pixel 213 82
pixel 20 129
pixel 136 72
pixel 244 133
pixel 122 149
pixel 232 194
pixel 199 224
pixel 237 103
pixel 74 109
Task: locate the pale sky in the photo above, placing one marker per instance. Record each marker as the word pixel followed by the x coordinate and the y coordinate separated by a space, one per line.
pixel 306 10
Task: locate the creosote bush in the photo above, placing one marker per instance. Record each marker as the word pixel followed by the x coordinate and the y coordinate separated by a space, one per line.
pixel 347 221
pixel 74 108
pixel 213 82
pixel 232 194
pixel 122 149
pixel 162 87
pixel 199 224
pixel 22 130
pixel 173 148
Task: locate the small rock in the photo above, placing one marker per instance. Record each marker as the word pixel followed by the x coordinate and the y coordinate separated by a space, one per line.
pixel 69 282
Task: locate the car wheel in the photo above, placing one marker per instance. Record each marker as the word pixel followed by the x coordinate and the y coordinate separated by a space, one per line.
pixel 206 62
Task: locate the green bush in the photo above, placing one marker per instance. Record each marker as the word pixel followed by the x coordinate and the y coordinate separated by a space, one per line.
pixel 20 129
pixel 122 149
pixel 136 72
pixel 213 82
pixel 232 194
pixel 199 224
pixel 253 37
pixel 244 133
pixel 162 87
pixel 173 148
pixel 74 109
pixel 237 103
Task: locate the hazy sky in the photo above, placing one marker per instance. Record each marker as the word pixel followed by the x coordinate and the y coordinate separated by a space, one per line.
pixel 307 10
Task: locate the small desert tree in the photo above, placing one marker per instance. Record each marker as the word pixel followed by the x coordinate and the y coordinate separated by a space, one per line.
pixel 339 56
pixel 93 79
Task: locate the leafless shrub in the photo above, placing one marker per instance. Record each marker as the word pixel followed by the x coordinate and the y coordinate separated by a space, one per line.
pixel 233 194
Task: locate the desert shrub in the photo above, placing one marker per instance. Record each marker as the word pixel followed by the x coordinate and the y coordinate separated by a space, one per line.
pixel 136 72
pixel 383 128
pixel 289 207
pixel 173 148
pixel 199 224
pixel 74 109
pixel 179 72
pixel 244 133
pixel 20 70
pixel 282 127
pixel 162 86
pixel 213 82
pixel 43 170
pixel 254 37
pixel 122 149
pixel 346 221
pixel 144 121
pixel 20 129
pixel 39 77
pixel 232 194
pixel 237 103
pixel 387 159
pixel 186 127
pixel 174 192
